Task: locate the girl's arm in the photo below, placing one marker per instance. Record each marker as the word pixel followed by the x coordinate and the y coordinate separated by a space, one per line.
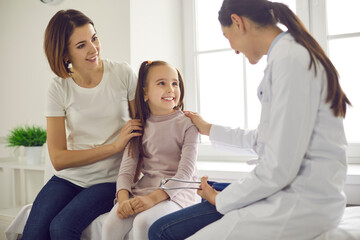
pixel 123 185
pixel 187 164
pixel 63 158
pixel 142 203
pixel 124 209
pixel 124 181
pixel 186 170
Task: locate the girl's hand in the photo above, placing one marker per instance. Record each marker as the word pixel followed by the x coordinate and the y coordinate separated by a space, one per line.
pixel 129 131
pixel 124 209
pixel 141 203
pixel 207 192
pixel 203 126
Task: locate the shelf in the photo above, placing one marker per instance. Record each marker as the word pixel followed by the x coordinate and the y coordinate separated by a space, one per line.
pixel 16 173
pixel 11 163
pixel 10 212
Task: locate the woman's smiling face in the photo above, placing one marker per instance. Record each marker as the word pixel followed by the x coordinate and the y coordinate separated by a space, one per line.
pixel 84 48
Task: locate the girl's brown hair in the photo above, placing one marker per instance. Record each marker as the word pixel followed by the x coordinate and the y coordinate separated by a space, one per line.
pixel 142 110
pixel 265 13
pixel 57 35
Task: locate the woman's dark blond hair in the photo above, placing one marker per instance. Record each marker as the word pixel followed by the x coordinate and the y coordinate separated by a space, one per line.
pixel 57 35
pixel 265 13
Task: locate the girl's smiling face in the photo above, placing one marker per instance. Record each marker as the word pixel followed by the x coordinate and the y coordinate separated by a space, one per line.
pixel 162 91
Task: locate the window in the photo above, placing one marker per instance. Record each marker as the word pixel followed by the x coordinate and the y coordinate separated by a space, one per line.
pixel 219 80
pixel 344 51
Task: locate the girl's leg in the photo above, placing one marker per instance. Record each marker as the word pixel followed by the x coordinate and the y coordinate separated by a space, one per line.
pixel 52 198
pixel 82 210
pixel 145 219
pixel 184 223
pixel 114 227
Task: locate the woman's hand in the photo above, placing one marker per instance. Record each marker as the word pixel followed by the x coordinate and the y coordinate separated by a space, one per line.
pixel 131 129
pixel 124 209
pixel 207 192
pixel 203 126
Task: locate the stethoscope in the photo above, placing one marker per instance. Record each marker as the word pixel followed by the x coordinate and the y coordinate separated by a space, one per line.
pixel 216 185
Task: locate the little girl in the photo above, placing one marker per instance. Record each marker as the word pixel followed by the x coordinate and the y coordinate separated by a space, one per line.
pixel 167 148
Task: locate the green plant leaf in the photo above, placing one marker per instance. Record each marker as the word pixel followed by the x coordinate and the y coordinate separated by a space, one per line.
pixel 27 136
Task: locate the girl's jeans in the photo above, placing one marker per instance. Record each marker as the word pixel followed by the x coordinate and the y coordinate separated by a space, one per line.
pixel 62 210
pixel 184 223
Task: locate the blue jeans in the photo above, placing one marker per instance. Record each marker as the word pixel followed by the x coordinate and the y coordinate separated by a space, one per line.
pixel 185 222
pixel 62 210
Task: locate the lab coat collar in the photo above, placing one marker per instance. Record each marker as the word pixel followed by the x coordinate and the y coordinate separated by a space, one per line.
pixel 275 41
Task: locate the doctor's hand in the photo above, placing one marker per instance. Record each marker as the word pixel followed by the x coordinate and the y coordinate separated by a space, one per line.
pixel 203 126
pixel 129 131
pixel 207 192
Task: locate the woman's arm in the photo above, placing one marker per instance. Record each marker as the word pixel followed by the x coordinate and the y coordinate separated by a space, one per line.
pixel 63 158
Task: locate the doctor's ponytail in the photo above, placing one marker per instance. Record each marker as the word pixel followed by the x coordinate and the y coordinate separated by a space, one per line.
pixel 267 13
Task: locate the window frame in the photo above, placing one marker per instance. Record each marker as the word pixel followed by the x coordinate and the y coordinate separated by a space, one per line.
pixel 311 13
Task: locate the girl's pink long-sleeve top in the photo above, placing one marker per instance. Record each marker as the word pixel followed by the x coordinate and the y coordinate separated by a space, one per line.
pixel 171 144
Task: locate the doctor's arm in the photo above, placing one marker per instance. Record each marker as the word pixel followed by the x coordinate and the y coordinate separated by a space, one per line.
pixel 225 137
pixel 203 126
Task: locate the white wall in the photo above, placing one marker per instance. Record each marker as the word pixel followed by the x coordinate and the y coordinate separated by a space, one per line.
pixel 156 32
pixel 130 31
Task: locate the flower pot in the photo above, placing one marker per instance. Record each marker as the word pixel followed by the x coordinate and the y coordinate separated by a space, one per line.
pixel 33 155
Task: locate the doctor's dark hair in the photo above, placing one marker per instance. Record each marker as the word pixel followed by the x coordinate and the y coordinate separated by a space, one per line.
pixel 57 35
pixel 142 110
pixel 266 13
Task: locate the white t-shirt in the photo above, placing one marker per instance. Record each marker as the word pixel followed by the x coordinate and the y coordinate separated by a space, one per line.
pixel 94 117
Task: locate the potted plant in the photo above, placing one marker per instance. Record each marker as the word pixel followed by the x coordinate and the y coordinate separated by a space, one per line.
pixel 32 138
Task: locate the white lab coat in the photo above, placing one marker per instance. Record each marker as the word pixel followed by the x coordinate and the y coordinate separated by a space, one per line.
pixel 296 189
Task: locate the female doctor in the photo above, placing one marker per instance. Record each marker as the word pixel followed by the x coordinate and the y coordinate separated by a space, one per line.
pixel 296 189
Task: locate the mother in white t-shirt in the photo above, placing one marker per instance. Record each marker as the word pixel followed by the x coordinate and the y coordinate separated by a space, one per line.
pixel 88 126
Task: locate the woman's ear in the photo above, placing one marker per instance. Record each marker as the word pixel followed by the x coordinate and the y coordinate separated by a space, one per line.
pixel 238 22
pixel 66 56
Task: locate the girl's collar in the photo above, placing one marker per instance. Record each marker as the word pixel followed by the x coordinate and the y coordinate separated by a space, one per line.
pixel 172 115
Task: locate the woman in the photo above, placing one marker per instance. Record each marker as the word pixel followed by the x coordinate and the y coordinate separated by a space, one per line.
pixel 88 127
pixel 296 189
